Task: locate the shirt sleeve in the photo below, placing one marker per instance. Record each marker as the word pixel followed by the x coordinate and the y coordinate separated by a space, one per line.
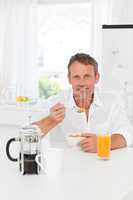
pixel 120 122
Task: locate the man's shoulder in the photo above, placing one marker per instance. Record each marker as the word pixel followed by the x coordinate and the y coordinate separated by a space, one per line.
pixel 109 96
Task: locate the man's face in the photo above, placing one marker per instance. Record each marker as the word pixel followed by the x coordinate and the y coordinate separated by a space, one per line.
pixel 83 79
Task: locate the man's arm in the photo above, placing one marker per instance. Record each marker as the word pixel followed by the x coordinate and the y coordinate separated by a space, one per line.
pixel 46 124
pixel 117 141
pixel 56 116
pixel 122 136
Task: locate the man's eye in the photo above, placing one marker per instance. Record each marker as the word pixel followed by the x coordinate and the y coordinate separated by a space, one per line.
pixel 76 77
pixel 87 77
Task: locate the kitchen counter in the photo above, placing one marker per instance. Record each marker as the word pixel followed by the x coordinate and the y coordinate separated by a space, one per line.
pixel 17 115
pixel 71 175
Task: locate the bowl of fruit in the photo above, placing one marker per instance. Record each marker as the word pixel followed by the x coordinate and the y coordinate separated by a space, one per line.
pixel 22 99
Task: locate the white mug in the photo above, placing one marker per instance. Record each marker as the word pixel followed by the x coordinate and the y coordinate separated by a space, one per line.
pixel 50 162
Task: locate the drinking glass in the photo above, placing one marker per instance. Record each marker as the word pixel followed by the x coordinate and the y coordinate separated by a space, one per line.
pixel 103 146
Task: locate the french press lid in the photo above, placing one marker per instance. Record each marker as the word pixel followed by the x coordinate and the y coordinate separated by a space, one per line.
pixel 30 133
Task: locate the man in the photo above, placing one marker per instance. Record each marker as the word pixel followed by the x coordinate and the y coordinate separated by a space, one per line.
pixel 100 110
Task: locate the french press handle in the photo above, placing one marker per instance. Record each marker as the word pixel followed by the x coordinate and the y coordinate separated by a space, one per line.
pixel 8 149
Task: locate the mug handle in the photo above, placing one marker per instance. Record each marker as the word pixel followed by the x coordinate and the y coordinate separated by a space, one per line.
pixel 39 163
pixel 8 149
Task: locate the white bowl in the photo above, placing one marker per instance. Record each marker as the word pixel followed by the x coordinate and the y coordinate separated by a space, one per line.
pixel 74 139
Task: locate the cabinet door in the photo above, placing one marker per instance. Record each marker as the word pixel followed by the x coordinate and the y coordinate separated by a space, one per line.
pixel 117 62
pixel 117 56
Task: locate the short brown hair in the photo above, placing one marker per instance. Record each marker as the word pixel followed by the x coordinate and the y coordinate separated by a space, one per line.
pixel 84 59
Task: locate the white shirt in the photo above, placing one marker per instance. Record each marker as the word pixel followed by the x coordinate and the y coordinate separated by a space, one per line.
pixel 106 114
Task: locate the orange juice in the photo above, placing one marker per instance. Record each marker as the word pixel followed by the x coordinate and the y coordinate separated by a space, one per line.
pixel 103 146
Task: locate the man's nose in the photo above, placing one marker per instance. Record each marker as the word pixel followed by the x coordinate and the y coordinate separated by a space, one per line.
pixel 82 82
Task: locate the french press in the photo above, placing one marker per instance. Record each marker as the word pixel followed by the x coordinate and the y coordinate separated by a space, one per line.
pixel 30 147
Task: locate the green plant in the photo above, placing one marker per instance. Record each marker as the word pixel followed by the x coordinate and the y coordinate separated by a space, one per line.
pixel 48 87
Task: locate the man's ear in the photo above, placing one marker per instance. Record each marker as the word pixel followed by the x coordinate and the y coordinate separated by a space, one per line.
pixel 97 77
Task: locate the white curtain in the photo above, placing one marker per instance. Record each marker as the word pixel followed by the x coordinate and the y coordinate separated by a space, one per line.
pixel 18 63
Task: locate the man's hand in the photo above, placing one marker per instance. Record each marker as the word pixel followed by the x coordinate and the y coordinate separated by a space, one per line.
pixel 89 144
pixel 57 113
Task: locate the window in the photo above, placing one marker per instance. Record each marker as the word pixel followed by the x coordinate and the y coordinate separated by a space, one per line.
pixel 63 30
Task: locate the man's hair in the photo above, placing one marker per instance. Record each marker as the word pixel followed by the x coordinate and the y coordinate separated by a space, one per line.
pixel 85 59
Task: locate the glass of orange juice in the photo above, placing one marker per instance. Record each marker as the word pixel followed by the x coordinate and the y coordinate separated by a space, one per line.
pixel 103 146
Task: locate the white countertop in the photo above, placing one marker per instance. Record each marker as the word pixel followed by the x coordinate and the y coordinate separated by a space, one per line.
pixel 22 106
pixel 17 115
pixel 72 175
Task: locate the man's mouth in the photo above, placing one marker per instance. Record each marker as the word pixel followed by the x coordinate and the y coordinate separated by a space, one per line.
pixel 81 89
pixel 83 93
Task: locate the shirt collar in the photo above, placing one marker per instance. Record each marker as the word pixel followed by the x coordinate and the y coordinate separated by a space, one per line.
pixel 97 101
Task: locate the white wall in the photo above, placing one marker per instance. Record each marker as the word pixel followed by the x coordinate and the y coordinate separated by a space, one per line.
pixel 101 15
pixel 122 11
pixel 61 1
